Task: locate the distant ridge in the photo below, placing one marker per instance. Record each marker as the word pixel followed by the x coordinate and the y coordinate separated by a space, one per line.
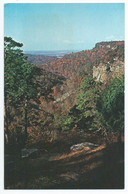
pixel 82 62
pixel 54 53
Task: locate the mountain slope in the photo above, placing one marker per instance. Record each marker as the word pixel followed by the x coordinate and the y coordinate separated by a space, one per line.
pixel 81 63
pixel 104 61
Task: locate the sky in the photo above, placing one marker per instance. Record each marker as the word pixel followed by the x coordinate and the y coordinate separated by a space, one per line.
pixel 63 26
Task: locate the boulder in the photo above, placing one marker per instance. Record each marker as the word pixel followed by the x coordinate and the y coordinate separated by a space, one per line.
pixel 28 152
pixel 85 146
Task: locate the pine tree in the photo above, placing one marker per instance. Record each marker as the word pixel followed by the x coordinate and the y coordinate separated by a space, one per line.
pixel 20 85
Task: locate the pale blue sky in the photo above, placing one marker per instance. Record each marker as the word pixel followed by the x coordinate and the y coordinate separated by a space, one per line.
pixel 63 26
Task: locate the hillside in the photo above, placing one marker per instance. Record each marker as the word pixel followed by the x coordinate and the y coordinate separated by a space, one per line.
pixel 101 168
pixel 104 61
pixel 82 62
pixel 108 62
pixel 39 59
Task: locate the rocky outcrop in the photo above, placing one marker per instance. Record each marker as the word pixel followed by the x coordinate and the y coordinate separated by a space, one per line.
pixel 104 72
pixel 112 63
pixel 63 97
pixel 108 45
pixel 83 146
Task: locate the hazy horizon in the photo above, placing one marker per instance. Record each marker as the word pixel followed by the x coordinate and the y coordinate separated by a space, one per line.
pixel 34 51
pixel 49 50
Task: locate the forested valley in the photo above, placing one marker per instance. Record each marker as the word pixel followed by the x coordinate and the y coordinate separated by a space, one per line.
pixel 64 118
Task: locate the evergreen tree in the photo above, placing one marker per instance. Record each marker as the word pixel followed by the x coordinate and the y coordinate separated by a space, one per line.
pixel 86 104
pixel 20 85
pixel 84 114
pixel 111 105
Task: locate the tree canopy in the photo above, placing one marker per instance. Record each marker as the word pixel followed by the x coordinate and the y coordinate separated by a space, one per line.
pixel 19 82
pixel 111 105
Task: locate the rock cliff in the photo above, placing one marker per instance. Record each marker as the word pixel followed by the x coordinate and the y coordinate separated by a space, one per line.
pixel 114 65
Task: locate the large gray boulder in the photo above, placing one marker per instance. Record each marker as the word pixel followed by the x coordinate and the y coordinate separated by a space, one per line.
pixel 85 146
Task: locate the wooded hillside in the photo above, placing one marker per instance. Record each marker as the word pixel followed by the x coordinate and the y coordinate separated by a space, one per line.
pixel 54 104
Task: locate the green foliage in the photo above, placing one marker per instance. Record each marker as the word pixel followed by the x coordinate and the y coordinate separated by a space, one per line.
pixel 98 108
pixel 111 105
pixel 67 123
pixel 86 104
pixel 20 86
pixel 84 113
pixel 63 122
pixel 18 74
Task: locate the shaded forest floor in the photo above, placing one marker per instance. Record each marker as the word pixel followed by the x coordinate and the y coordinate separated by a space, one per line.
pixel 101 168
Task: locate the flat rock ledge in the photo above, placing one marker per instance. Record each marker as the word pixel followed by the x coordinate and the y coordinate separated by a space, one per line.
pixel 83 146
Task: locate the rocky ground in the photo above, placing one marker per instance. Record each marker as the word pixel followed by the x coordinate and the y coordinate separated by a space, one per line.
pixel 98 167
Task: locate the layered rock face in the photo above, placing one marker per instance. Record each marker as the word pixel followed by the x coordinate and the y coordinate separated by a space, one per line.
pixel 109 44
pixel 112 67
pixel 104 72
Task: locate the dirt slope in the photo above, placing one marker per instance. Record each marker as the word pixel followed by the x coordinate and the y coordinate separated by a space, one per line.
pixel 102 168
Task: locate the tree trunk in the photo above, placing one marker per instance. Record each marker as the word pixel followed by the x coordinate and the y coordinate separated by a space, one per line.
pixel 26 119
pixel 6 121
pixel 119 136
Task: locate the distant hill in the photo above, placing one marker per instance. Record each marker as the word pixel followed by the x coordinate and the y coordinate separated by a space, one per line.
pixel 39 59
pixel 82 62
